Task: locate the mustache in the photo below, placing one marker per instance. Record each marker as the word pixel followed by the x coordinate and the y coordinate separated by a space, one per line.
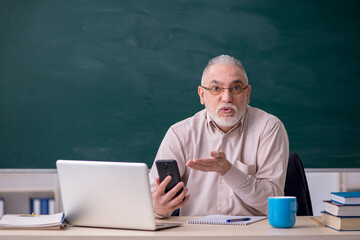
pixel 226 105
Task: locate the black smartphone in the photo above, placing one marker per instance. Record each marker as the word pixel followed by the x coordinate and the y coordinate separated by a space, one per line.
pixel 169 167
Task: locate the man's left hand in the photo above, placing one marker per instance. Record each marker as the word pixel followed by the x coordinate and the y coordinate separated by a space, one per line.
pixel 217 163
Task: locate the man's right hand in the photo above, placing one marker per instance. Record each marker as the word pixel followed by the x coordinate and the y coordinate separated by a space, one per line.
pixel 165 203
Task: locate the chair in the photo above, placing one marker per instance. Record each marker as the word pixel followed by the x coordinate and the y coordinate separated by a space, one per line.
pixel 296 185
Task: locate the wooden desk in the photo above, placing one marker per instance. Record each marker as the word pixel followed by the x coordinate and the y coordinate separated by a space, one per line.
pixel 303 229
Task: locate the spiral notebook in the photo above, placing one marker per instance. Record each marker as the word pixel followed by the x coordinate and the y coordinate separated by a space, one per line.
pixel 226 220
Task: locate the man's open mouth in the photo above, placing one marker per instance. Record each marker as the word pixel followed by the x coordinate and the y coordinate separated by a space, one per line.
pixel 226 110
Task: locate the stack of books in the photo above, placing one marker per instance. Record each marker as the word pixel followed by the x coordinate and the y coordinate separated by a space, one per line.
pixel 343 211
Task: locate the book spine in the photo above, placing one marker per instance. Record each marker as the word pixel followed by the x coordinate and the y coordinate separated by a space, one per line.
pixel 2 207
pixel 44 206
pixel 51 206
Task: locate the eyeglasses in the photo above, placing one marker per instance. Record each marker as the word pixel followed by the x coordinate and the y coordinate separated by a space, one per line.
pixel 216 89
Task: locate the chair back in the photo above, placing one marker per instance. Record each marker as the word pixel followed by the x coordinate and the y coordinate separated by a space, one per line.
pixel 296 185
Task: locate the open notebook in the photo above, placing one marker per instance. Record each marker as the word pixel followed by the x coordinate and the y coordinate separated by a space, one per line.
pixel 226 220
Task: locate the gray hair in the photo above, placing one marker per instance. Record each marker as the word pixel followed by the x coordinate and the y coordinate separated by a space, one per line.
pixel 223 59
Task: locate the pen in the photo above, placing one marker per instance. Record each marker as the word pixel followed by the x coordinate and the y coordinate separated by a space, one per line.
pixel 317 222
pixel 238 219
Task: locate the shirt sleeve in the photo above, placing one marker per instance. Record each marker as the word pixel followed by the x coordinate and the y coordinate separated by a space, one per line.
pixel 269 179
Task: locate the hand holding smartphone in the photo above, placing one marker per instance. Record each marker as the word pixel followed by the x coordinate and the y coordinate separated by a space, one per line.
pixel 169 167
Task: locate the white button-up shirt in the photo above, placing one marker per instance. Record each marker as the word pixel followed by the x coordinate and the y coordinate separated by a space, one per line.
pixel 258 149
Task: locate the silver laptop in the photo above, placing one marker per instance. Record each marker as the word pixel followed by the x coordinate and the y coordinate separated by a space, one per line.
pixel 107 194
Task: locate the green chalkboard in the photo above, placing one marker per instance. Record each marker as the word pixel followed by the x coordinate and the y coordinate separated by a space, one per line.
pixel 103 80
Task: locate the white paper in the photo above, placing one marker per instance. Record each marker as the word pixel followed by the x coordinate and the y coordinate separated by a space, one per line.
pixel 32 221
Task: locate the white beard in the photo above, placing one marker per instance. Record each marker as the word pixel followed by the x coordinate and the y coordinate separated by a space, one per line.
pixel 227 121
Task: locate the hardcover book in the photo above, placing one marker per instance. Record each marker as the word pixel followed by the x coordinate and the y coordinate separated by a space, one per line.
pixel 346 197
pixel 340 223
pixel 338 209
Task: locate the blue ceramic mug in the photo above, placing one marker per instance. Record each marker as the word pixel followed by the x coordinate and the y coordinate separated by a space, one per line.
pixel 282 211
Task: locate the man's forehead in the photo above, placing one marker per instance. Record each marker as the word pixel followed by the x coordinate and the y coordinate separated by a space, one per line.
pixel 217 72
pixel 236 81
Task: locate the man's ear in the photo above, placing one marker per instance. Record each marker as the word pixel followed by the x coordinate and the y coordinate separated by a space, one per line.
pixel 201 95
pixel 248 93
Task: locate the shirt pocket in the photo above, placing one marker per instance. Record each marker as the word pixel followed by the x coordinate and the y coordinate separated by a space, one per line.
pixel 248 169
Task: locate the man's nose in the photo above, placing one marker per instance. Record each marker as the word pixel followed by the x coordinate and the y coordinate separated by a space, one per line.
pixel 226 95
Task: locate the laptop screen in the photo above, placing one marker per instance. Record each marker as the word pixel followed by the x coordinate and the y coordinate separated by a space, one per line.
pixel 106 194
